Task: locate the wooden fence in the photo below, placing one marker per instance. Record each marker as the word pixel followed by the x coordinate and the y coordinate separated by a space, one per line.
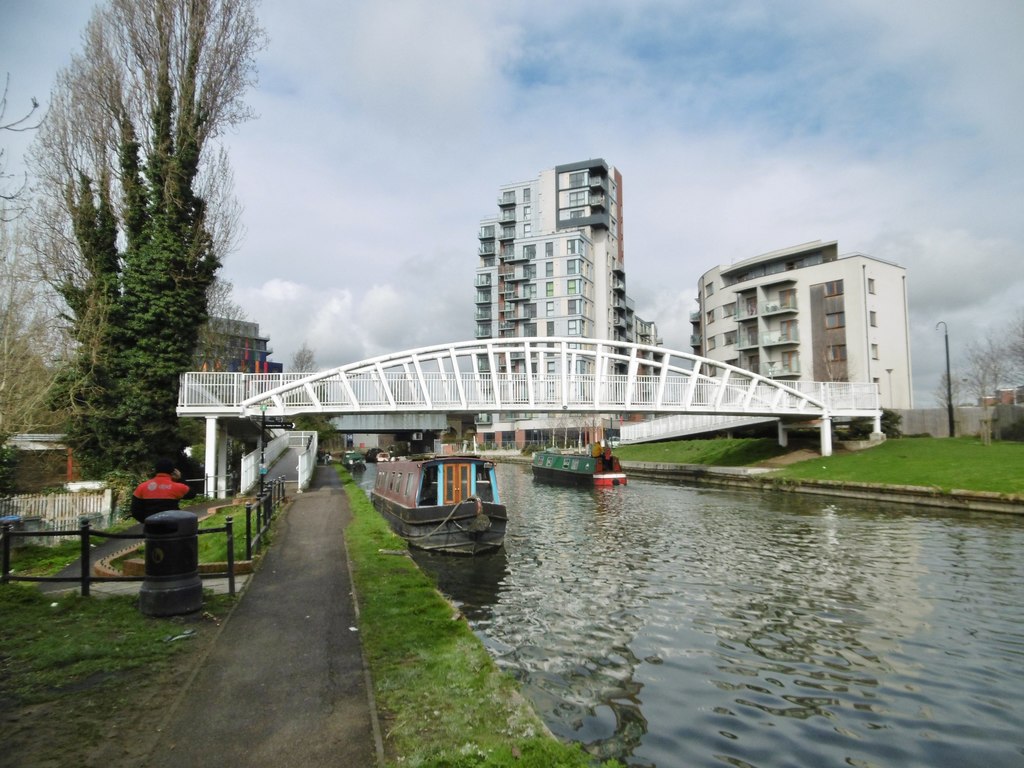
pixel 58 511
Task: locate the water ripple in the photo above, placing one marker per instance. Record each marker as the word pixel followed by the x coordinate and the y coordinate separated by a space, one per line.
pixel 670 626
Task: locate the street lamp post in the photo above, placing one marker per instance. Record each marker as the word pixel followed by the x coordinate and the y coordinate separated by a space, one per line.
pixel 949 380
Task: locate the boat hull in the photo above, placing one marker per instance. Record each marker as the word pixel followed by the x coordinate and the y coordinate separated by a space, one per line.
pixel 440 529
pixel 574 469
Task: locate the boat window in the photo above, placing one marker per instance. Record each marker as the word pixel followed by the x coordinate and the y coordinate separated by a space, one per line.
pixel 483 483
pixel 428 490
pixel 408 484
pixel 396 481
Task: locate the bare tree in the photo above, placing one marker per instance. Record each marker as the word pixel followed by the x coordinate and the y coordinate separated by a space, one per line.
pixel 27 341
pixel 304 361
pixel 27 122
pixel 987 369
pixel 135 213
pixel 941 391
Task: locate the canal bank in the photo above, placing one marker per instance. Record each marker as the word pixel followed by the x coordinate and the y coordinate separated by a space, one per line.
pixel 765 479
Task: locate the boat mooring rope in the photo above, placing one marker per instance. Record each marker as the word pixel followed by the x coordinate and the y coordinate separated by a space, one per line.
pixel 475 526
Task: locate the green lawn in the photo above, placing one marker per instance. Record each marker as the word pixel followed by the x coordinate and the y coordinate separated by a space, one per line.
pixel 736 452
pixel 961 463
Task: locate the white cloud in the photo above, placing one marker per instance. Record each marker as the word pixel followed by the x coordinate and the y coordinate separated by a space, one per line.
pixel 386 128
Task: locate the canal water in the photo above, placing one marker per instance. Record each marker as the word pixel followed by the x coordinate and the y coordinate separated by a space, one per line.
pixel 667 625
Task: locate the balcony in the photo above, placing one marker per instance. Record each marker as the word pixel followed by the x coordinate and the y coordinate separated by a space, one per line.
pixel 747 341
pixel 483 281
pixel 487 249
pixel 509 198
pixel 483 297
pixel 597 201
pixel 483 314
pixel 695 316
pixel 695 340
pixel 508 216
pixel 486 233
pixel 774 369
pixel 507 233
pixel 778 307
pixel 775 338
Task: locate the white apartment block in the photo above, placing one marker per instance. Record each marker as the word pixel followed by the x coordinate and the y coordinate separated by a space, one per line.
pixel 808 314
pixel 552 260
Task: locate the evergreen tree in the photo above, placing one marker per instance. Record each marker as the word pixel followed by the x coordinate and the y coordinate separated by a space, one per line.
pixel 157 80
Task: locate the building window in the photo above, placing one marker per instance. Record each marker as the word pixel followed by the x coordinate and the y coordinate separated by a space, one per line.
pixel 574 247
pixel 874 351
pixel 530 291
pixel 549 309
pixel 577 199
pixel 530 271
pixel 527 229
pixel 526 194
pixel 579 179
pixel 575 306
pixel 486 232
pixel 871 285
pixel 551 328
pixel 712 343
pixel 729 310
pixel 709 289
pixel 526 211
pixel 836 352
pixel 549 289
pixel 507 250
pixel 529 251
pixel 835 320
pixel 483 297
pixel 508 232
pixel 577 213
pixel 574 267
pixel 730 338
pixel 483 329
pixel 710 316
pixel 549 249
pixel 873 318
pixel 787 298
pixel 549 269
pixel 575 327
pixel 834 288
pixel 573 287
pixel 529 329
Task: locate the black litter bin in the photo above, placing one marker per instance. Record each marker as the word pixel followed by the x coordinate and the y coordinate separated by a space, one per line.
pixel 172 584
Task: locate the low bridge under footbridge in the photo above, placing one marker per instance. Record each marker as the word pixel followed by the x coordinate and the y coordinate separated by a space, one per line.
pixel 525 375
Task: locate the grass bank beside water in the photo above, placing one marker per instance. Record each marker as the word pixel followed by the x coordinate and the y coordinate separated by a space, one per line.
pixel 959 463
pixel 442 700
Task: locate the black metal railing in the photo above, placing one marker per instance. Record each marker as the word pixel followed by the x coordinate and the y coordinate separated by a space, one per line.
pixel 265 507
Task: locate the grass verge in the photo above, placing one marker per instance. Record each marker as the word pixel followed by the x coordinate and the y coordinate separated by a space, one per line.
pixel 443 701
pixel 944 463
pixel 80 674
pixel 735 452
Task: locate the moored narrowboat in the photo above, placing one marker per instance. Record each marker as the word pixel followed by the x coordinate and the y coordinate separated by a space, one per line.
pixel 599 468
pixel 444 504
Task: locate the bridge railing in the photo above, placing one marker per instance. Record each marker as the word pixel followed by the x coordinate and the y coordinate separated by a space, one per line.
pixel 482 391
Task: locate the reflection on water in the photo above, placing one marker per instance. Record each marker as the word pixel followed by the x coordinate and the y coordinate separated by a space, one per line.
pixel 673 626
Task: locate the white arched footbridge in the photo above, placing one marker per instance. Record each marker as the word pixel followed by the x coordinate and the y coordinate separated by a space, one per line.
pixel 537 375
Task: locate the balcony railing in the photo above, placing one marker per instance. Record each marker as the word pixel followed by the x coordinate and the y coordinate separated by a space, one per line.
pixel 775 369
pixel 773 338
pixel 776 307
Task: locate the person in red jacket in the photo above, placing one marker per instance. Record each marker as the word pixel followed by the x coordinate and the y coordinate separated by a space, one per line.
pixel 160 493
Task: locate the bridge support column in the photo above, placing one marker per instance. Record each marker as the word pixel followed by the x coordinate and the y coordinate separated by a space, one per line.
pixel 826 435
pixel 215 460
pixel 783 434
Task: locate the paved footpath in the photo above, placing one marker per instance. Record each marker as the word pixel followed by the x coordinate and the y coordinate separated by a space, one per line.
pixel 284 683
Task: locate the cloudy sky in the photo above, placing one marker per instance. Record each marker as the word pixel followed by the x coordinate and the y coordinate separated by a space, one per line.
pixel 385 128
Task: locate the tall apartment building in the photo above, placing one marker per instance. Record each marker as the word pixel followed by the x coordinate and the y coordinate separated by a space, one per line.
pixel 808 314
pixel 552 260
